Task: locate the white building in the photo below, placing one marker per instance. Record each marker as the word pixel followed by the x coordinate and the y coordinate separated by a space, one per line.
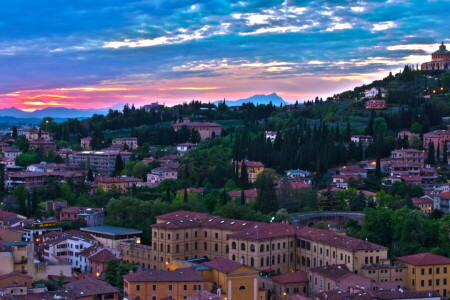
pixel 373 92
pixel 271 135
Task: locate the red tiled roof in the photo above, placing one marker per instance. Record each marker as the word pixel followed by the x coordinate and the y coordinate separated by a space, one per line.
pixel 444 195
pixel 103 256
pixel 6 214
pixel 337 240
pixel 15 274
pixel 190 190
pixel 291 277
pixel 204 295
pixel 422 200
pixel 424 259
pixel 182 215
pixel 117 179
pixel 334 272
pixel 179 275
pixel 89 286
pixel 222 264
pixel 265 231
pixel 255 164
pixel 247 193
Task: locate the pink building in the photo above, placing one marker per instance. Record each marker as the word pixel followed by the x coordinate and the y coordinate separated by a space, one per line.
pixel 407 156
pixel 438 138
pixel 375 104
pixel 159 174
pixel 206 129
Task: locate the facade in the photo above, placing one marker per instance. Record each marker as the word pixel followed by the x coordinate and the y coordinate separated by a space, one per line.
pixel 290 283
pixel 11 153
pixel 298 174
pixel 442 202
pixel 440 60
pixel 111 236
pixel 153 284
pixel 254 168
pixel 85 143
pixel 375 91
pixel 91 216
pixel 206 130
pixel 89 288
pixel 386 275
pixel 425 204
pixel 438 138
pixel 159 174
pixel 42 144
pixel 407 156
pixel 375 104
pixel 137 254
pixel 331 277
pixel 35 179
pixel 250 195
pixel 427 271
pixel 98 261
pixel 100 162
pixel 184 147
pixel 7 162
pixel 365 139
pixel 122 184
pixel 271 135
pixel 132 143
pixel 36 134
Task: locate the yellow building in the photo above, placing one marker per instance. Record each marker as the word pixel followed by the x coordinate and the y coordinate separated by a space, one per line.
pixel 155 285
pixel 122 184
pixel 427 271
pixel 232 280
pixel 254 168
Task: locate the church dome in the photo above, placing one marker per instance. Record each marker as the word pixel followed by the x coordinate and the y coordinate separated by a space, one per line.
pixel 442 49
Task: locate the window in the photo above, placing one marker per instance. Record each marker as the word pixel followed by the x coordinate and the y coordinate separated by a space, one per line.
pixel 279 247
pixel 437 282
pixel 185 287
pixel 138 287
pixel 187 247
pixel 242 246
pixel 252 248
pixel 422 271
pixel 216 247
pixel 422 283
pixel 195 233
pixel 195 246
pixel 430 271
pixel 438 270
pixel 445 270
pixel 177 248
pixel 217 235
pixel 154 287
pixel 177 236
pixel 206 234
pixel 187 235
pixel 252 262
pixel 430 282
pixel 206 246
pixel 170 287
pixel 233 245
pixel 197 287
pixel 242 288
pixel 261 248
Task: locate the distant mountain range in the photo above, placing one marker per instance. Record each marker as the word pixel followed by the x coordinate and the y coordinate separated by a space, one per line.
pixel 56 112
pixel 256 99
pixel 64 112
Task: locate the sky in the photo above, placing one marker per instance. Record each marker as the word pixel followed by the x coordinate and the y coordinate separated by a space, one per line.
pixel 95 54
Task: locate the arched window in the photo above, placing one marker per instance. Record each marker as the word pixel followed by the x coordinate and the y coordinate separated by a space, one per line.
pixel 261 248
pixel 308 262
pixel 303 261
pixel 233 245
pixel 242 260
pixel 278 259
pixel 262 261
pixel 242 246
pixel 252 262
pixel 273 259
pixel 233 257
pixel 242 288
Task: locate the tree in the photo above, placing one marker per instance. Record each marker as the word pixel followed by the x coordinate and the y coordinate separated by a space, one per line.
pixel 282 215
pixel 243 180
pixel 378 168
pixel 21 195
pixel 416 127
pixel 118 165
pixel 14 132
pixel 2 180
pixel 444 155
pixel 90 176
pixel 431 159
pixel 380 127
pixel 266 202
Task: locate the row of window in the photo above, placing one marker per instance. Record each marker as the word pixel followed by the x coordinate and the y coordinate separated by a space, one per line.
pixel 261 247
pixel 268 260
pixel 430 270
pixel 430 282
pixel 196 287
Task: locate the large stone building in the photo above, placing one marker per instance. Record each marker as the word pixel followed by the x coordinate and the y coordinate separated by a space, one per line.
pixel 206 130
pixel 277 247
pixel 101 162
pixel 440 60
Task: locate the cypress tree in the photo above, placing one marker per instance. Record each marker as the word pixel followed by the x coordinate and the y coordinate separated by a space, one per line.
pixel 444 155
pixel 242 197
pixel 2 179
pixel 14 132
pixel 378 168
pixel 185 196
pixel 118 165
pixel 430 157
pixel 266 201
pixel 244 176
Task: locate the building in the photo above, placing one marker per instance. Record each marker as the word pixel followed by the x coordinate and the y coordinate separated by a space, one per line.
pixel 254 168
pixel 50 167
pixel 122 184
pixel 156 107
pixel 386 275
pixel 425 204
pixel 90 216
pixel 85 143
pixel 137 254
pixel 130 142
pixel 442 202
pixel 89 288
pixel 101 162
pixel 153 284
pixel 99 260
pixel 365 139
pixel 34 230
pixel 298 174
pixel 36 134
pixel 68 247
pixel 42 144
pixel 250 195
pixel 440 60
pixel 111 236
pixel 7 162
pixel 375 104
pixel 358 293
pixel 353 171
pixel 343 181
pixel 290 283
pixel 427 271
pixel 232 280
pixel 271 135
pixel 206 130
pixel 376 91
pixel 331 277
pixel 159 174
pixel 11 153
pixel 36 179
pixel 407 156
pixel 184 147
pixel 438 138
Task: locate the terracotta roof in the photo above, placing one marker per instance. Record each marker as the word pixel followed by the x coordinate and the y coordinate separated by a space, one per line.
pixel 89 286
pixel 444 195
pixel 407 150
pixel 179 275
pixel 15 274
pixel 182 215
pixel 103 256
pixel 197 124
pixel 247 193
pixel 117 179
pixel 190 190
pixel 422 200
pixel 404 294
pixel 291 277
pixel 265 231
pixel 204 295
pixel 331 238
pixel 222 264
pixel 255 164
pixel 424 259
pixel 6 214
pixel 89 251
pixel 334 272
